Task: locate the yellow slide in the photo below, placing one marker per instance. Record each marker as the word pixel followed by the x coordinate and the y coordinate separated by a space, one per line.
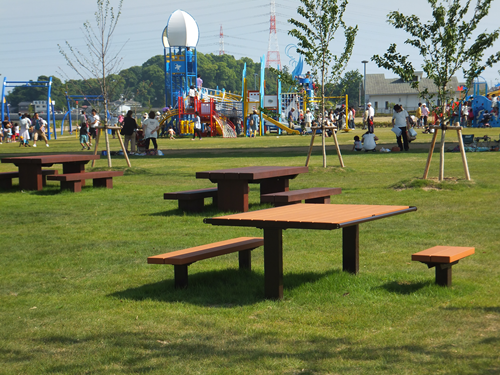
pixel 223 128
pixel 280 125
pixel 167 115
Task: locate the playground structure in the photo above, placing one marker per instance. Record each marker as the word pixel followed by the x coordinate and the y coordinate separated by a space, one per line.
pixel 32 84
pixel 484 114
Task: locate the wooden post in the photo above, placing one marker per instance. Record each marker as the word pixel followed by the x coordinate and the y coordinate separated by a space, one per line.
pixel 462 151
pixel 338 149
pixel 433 144
pixel 123 146
pixel 310 147
pixel 323 146
pixel 431 151
pixel 441 155
pixel 95 146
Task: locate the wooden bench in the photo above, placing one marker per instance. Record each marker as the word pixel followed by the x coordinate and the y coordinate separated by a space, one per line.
pixel 183 258
pixel 73 181
pixel 311 195
pixel 443 258
pixel 6 177
pixel 193 200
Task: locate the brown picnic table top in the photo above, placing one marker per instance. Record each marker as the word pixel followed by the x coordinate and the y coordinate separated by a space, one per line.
pixel 30 167
pixel 232 183
pixel 307 216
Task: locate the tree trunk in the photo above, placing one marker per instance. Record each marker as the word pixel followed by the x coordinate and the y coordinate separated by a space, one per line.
pixel 323 145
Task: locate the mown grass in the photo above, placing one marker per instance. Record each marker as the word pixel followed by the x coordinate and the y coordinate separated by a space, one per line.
pixel 76 294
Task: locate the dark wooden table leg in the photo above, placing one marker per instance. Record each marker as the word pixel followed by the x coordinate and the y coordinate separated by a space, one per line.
pixel 350 249
pixel 232 195
pixel 443 274
pixel 30 177
pixel 74 167
pixel 273 263
pixel 274 185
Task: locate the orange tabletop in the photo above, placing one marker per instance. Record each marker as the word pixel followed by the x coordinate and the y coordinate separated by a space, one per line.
pixel 232 184
pixel 307 216
pixel 30 167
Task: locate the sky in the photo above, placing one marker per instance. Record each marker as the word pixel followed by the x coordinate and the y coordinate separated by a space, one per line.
pixel 31 30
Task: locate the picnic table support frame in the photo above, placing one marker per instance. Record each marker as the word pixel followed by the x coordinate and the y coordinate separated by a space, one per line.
pixel 441 160
pixel 350 249
pixel 30 176
pixel 273 263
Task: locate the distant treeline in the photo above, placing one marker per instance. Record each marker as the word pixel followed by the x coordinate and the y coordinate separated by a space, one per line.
pixel 146 83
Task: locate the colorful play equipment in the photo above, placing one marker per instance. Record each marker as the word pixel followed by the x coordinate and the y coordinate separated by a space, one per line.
pixel 484 113
pixel 30 84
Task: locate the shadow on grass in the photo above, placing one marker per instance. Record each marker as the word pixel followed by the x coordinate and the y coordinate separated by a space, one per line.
pixel 404 287
pixel 224 288
pixel 209 211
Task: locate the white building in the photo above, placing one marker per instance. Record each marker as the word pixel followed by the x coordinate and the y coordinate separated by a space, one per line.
pixel 41 106
pixel 383 92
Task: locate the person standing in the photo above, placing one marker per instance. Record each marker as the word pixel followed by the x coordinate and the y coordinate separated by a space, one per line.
pixel 308 118
pixel 24 132
pixel 197 126
pixel 419 115
pixel 150 128
pixel 254 123
pixel 369 116
pixel 39 130
pixel 235 120
pixel 400 121
pixel 199 83
pixel 425 114
pixel 93 121
pixel 129 131
pixel 290 118
pixel 84 138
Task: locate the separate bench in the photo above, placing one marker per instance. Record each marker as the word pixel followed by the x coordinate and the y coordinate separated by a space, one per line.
pixel 193 200
pixel 74 181
pixel 443 258
pixel 183 258
pixel 6 177
pixel 311 195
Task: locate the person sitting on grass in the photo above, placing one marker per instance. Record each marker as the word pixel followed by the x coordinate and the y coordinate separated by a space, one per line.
pixel 369 143
pixel 357 144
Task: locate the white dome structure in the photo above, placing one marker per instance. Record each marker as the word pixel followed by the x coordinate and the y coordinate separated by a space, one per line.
pixel 181 30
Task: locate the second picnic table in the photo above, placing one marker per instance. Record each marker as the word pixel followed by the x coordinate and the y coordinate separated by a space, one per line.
pixel 30 167
pixel 232 184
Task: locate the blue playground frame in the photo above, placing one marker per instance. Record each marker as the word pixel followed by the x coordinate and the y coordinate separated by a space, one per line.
pixel 50 107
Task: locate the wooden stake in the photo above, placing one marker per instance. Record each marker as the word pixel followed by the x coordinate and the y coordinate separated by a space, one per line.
pixel 95 146
pixel 310 147
pixel 462 151
pixel 338 149
pixel 123 148
pixel 431 151
pixel 441 155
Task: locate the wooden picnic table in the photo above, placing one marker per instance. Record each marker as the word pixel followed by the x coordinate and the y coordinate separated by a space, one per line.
pixel 232 184
pixel 30 167
pixel 307 216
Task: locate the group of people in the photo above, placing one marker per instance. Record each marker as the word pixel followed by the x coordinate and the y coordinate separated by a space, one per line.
pixel 29 127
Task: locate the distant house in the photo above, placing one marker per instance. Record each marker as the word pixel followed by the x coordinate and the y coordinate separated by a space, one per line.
pixel 382 92
pixel 24 107
pixel 41 106
pixel 122 106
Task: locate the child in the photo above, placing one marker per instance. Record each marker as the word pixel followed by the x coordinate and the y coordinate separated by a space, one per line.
pixel 15 133
pixel 171 133
pixel 357 144
pixel 84 138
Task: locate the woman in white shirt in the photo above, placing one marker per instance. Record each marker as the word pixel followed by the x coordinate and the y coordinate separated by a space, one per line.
pixel 150 127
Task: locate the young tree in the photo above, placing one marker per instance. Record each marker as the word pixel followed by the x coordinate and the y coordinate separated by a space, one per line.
pixel 99 61
pixel 445 43
pixel 322 19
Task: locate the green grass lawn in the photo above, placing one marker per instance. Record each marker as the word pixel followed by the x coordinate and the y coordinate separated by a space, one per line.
pixel 77 296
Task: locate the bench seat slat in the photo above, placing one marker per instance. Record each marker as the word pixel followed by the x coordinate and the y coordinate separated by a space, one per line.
pixel 296 196
pixel 443 254
pixel 196 253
